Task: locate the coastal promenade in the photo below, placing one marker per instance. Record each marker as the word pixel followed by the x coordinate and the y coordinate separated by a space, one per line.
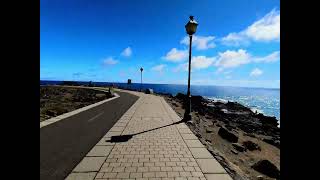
pixel 154 148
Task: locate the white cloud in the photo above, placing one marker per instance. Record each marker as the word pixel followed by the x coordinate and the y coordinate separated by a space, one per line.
pixel 159 68
pixel 197 63
pixel 235 39
pixel 200 42
pixel 110 61
pixel 127 52
pixel 181 67
pixel 231 59
pixel 265 29
pixel 201 62
pixel 273 57
pixel 256 72
pixel 175 55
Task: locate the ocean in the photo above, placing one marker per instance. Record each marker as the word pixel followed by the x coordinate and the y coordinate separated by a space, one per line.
pixel 264 100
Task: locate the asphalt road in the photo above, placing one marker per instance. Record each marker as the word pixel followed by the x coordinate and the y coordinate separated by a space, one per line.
pixel 63 144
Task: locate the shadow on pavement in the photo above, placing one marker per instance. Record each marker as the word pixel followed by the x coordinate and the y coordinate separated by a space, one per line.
pixel 125 138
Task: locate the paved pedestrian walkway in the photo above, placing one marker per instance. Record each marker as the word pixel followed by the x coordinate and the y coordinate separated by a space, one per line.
pixel 171 152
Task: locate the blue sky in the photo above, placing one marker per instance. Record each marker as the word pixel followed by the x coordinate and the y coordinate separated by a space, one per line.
pixel 237 43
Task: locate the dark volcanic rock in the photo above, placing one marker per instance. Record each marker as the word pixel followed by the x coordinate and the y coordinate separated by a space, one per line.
pixel 198 103
pixel 234 106
pixel 267 168
pixel 229 136
pixel 234 151
pixel 230 127
pixel 209 129
pixel 165 94
pixel 250 135
pixel 251 146
pixel 272 121
pixel 181 96
pixel 238 147
pixel 175 104
pixel 272 141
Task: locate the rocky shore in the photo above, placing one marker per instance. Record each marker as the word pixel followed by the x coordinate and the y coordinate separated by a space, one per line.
pixel 246 143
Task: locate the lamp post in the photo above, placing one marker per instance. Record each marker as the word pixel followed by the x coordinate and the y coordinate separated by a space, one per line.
pixel 141 69
pixel 191 28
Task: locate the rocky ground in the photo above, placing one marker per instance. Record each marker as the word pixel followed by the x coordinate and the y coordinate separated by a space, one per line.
pixel 246 143
pixel 57 100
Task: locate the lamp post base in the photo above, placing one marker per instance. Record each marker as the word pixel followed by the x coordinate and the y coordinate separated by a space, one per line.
pixel 187 114
pixel 187 117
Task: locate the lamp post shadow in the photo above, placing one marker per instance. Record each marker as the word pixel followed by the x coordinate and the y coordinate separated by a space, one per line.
pixel 127 137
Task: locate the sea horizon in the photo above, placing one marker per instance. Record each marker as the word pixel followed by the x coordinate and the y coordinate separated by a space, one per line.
pixel 268 88
pixel 264 100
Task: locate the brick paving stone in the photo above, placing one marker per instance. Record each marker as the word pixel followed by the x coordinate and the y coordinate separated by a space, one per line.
pixel 118 169
pixel 141 178
pixel 126 164
pixel 181 164
pixel 177 169
pixel 154 169
pixel 137 164
pixel 189 168
pixel 149 174
pixel 160 164
pixel 148 164
pixel 167 178
pixel 192 164
pixel 106 169
pixel 166 168
pixel 161 174
pixel 181 178
pixel 185 174
pixel 114 164
pixel 173 174
pixel 109 175
pixel 136 175
pixel 197 174
pixel 123 175
pixel 143 169
pixel 193 178
pixel 172 163
pixel 130 169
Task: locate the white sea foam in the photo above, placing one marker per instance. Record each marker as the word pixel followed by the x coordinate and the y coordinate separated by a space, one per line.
pixel 256 109
pixel 218 99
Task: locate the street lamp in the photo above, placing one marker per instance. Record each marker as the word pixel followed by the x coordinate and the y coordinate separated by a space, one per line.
pixel 141 69
pixel 191 28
